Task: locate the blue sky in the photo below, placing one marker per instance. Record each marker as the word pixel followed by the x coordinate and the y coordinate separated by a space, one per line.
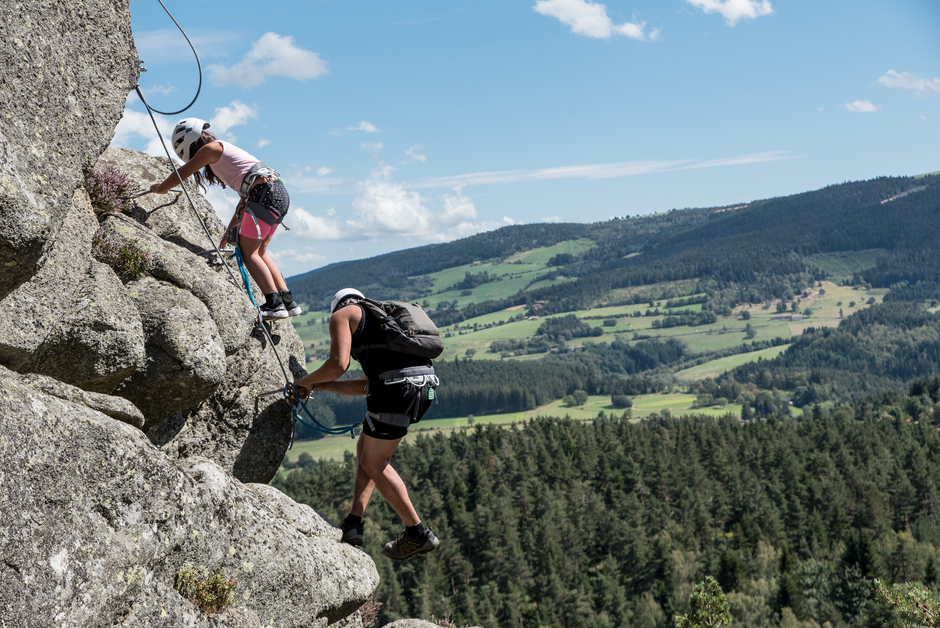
pixel 401 124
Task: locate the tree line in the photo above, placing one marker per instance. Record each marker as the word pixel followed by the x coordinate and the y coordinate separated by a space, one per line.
pixel 611 523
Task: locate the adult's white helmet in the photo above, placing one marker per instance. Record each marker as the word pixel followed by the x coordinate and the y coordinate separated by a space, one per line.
pixel 186 132
pixel 342 296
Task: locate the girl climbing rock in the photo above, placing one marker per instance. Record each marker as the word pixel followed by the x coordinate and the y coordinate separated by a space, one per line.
pixel 263 205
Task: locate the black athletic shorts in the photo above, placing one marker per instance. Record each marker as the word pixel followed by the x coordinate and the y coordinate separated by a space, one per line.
pixel 383 431
pixel 396 398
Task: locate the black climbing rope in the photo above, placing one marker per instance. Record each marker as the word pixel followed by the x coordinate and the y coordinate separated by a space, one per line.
pixel 198 65
pixel 290 392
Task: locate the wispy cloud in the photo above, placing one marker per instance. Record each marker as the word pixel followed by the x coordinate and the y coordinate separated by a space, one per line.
pixel 167 46
pixel 911 82
pixel 862 106
pixel 368 127
pixel 590 172
pixel 415 156
pixel 590 19
pixel 734 10
pixel 302 257
pixel 324 171
pixel 272 55
pixel 753 158
pixel 373 147
pixel 594 171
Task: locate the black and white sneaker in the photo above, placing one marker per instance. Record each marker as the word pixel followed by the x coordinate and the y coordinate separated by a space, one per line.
pixel 405 546
pixel 289 304
pixel 352 534
pixel 273 308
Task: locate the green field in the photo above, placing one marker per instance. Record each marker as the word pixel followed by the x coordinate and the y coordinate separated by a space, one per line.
pixel 676 404
pixel 476 334
pixel 845 263
pixel 717 367
pixel 508 277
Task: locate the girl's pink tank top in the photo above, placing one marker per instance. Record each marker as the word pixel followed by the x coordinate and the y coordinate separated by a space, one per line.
pixel 233 165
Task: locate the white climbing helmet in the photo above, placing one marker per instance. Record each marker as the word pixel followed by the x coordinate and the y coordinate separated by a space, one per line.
pixel 342 296
pixel 186 132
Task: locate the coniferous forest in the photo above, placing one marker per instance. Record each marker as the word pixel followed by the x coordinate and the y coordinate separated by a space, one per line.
pixel 612 523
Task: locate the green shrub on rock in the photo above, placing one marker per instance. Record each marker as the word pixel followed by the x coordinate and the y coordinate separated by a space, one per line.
pixel 209 594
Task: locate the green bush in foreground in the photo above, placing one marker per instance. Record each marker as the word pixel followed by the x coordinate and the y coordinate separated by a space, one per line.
pixel 708 607
pixel 210 594
pixel 127 259
pixel 917 606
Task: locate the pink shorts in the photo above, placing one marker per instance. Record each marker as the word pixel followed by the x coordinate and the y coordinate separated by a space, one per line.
pixel 251 231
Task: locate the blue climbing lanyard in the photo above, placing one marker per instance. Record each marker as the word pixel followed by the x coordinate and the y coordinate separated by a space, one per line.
pixel 291 396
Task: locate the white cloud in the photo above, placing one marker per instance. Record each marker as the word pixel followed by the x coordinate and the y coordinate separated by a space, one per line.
pixel 911 82
pixel 734 10
pixel 235 113
pixel 136 127
pixel 320 185
pixel 383 208
pixel 591 20
pixel 263 143
pixel 754 158
pixel 387 207
pixel 336 185
pixel 296 256
pixel 862 106
pixel 326 227
pixel 368 127
pixel 322 172
pixel 411 152
pixel 135 130
pixel 157 89
pixel 223 202
pixel 372 147
pixel 594 171
pixel 272 55
pixel 551 219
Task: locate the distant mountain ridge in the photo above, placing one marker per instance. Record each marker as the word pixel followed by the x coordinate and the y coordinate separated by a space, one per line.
pixel 746 244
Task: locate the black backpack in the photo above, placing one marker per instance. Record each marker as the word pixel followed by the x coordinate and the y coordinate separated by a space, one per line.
pixel 407 326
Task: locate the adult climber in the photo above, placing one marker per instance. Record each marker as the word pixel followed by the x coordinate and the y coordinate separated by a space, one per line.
pixel 399 388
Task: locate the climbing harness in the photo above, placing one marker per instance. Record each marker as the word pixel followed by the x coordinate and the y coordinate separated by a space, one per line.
pixel 291 395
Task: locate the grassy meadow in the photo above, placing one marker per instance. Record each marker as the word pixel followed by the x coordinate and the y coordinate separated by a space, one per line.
pixel 827 303
pixel 676 404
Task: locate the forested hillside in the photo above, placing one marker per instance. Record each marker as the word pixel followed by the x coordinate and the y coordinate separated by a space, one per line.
pixel 611 523
pixel 636 305
pixel 751 252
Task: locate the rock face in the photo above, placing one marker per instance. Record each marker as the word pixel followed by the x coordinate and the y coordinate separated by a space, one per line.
pixel 134 439
pixel 73 319
pixel 67 68
pixel 98 523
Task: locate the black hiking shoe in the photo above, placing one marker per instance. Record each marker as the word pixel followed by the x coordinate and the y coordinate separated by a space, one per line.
pixel 351 534
pixel 273 308
pixel 292 308
pixel 405 546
